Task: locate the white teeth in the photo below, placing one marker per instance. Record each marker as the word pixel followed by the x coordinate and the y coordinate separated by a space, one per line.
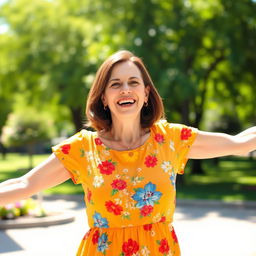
pixel 126 101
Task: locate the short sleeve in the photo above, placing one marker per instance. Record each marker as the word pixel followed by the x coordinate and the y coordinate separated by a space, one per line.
pixel 70 154
pixel 180 139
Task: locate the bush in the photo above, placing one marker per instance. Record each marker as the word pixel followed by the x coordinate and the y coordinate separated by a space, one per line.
pixel 27 126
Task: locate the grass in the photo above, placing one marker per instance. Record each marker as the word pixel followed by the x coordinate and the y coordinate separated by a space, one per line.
pixel 16 165
pixel 232 179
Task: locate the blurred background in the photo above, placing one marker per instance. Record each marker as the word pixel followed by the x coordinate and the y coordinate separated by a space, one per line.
pixel 200 53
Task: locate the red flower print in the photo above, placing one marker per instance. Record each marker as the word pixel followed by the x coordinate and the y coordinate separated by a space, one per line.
pixel 164 247
pixel 163 219
pixel 89 194
pixel 95 237
pixel 159 138
pixel 65 149
pixel 147 227
pixel 119 184
pixel 150 161
pixel 174 236
pixel 146 210
pixel 112 207
pixel 98 141
pixel 106 167
pixel 130 247
pixel 185 133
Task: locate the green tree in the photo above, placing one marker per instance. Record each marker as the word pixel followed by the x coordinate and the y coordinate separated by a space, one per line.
pixel 199 53
pixel 7 78
pixel 51 52
pixel 190 46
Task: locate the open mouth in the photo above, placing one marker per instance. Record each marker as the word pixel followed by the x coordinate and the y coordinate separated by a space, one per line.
pixel 126 102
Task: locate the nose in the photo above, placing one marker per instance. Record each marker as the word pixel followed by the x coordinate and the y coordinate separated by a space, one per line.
pixel 125 88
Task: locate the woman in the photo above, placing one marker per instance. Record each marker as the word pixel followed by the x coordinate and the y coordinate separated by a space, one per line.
pixel 128 166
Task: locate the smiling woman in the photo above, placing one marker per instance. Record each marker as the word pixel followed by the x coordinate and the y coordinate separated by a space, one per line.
pixel 126 90
pixel 125 99
pixel 99 117
pixel 128 165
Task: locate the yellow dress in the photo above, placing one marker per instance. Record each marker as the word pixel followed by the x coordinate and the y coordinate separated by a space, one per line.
pixel 129 195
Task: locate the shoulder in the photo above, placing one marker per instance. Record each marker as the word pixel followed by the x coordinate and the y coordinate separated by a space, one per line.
pixel 167 126
pixel 78 138
pixel 174 130
pixel 86 134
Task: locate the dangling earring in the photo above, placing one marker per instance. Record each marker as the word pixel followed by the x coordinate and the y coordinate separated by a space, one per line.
pixel 145 104
pixel 105 107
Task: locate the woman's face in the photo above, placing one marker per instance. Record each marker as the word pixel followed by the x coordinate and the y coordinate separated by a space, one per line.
pixel 125 92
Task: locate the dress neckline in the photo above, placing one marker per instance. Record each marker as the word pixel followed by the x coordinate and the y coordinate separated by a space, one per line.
pixel 126 150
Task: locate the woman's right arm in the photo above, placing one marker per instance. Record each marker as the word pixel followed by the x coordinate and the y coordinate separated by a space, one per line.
pixel 48 174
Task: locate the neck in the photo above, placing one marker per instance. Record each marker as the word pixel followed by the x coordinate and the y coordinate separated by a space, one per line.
pixel 126 131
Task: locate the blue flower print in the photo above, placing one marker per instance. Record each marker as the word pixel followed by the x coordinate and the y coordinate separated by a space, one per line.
pixel 103 243
pixel 172 178
pixel 99 221
pixel 147 195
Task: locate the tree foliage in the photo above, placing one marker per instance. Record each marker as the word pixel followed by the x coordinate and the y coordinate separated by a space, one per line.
pixel 200 53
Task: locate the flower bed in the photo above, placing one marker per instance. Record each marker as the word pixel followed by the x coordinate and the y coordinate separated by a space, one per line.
pixel 29 207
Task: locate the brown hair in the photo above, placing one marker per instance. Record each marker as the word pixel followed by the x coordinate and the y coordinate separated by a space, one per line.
pixel 98 117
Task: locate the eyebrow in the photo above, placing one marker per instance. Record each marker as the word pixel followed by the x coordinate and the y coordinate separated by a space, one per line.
pixel 117 79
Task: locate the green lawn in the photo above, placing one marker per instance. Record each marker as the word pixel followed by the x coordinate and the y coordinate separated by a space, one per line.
pixel 16 165
pixel 232 179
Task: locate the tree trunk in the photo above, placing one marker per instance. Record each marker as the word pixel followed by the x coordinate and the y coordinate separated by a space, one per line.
pixel 185 112
pixel 3 150
pixel 199 108
pixel 197 167
pixel 180 180
pixel 30 153
pixel 77 118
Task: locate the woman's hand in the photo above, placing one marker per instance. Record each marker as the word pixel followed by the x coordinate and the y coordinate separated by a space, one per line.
pixel 211 144
pixel 49 173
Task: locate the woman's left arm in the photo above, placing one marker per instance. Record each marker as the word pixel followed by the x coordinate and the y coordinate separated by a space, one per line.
pixel 211 144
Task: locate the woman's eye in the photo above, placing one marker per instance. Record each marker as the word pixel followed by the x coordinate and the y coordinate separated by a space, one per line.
pixel 134 83
pixel 115 85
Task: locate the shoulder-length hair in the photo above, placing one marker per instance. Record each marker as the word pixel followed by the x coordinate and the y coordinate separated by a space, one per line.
pixel 100 118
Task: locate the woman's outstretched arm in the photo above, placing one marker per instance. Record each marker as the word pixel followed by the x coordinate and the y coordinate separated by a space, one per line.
pixel 211 144
pixel 48 174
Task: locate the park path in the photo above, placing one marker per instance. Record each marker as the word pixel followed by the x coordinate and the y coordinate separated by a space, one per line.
pixel 203 228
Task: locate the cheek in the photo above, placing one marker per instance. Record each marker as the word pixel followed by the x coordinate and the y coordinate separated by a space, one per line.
pixel 143 93
pixel 108 96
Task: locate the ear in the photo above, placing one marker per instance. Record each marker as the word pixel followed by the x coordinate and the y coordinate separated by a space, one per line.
pixel 103 100
pixel 147 91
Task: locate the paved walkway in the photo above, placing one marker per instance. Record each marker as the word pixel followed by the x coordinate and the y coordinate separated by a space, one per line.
pixel 203 229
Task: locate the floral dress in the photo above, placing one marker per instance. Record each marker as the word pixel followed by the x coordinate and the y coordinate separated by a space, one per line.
pixel 129 195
